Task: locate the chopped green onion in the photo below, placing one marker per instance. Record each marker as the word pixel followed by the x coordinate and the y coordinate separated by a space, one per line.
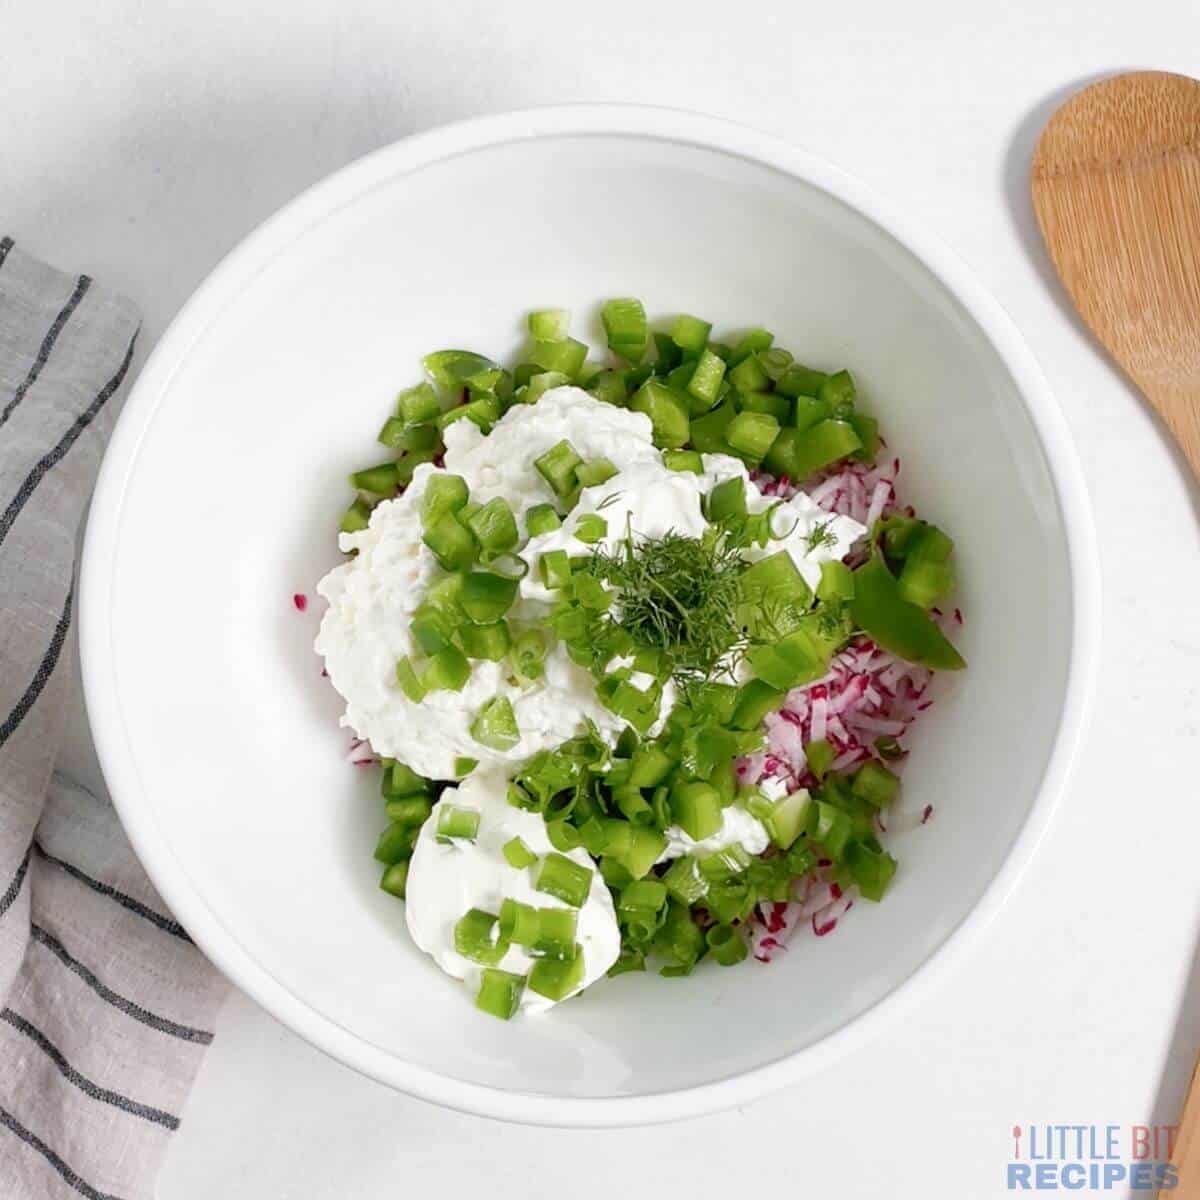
pixel 565 355
pixel 556 934
pixel 684 881
pixel 591 528
pixel 625 328
pixel 528 655
pixel 490 642
pixel 788 817
pixel 871 869
pixel 432 629
pixel 829 826
pixel 590 593
pixel 452 543
pixel 651 765
pixel 556 980
pixel 889 748
pixel 557 467
pixel 555 568
pixel 487 597
pixel 563 835
pixel 645 849
pixel 496 725
pixel 519 923
pixel 752 434
pixel 683 460
pixel 453 822
pixel 474 938
pixel 499 993
pixel 410 685
pixel 447 670
pixel 599 470
pixel 356 518
pixel 395 843
pixel 542 518
pixel 549 324
pixel 642 894
pixel 875 784
pixel 690 334
pixel 667 411
pixel 726 944
pixel 680 939
pixel 494 527
pixel 561 877
pixel 518 854
pixel 696 808
pixel 726 864
pixel 379 481
pixel 632 805
pixel 394 880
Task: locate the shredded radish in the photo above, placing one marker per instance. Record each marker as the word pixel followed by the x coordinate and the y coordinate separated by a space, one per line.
pixel 300 600
pixel 360 754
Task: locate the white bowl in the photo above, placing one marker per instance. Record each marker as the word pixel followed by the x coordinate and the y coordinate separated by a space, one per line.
pixel 219 499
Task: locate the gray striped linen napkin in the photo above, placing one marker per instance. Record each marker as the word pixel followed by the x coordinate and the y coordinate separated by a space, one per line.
pixel 105 1003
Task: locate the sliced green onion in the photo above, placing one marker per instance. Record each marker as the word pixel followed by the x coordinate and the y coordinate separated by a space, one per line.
pixel 453 822
pixel 875 784
pixel 518 854
pixel 684 882
pixel 495 726
pixel 645 894
pixel 752 434
pixel 395 843
pixel 447 670
pixel 565 879
pixel 490 642
pixel 541 518
pixel 528 655
pixel 356 518
pixel 667 411
pixel 432 629
pixel 452 544
pixel 696 809
pixel 494 527
pixel 556 934
pixel 633 806
pixel 625 328
pixel 519 923
pixel 394 880
pixel 830 827
pixel 557 467
pixel 487 597
pixel 683 460
pixel 418 404
pixel 591 593
pixel 651 765
pixel 680 938
pixel 872 869
pixel 563 835
pixel 788 818
pixel 379 481
pixel 591 528
pixel 645 849
pixel 590 474
pixel 499 993
pixel 556 980
pixel 410 685
pixel 555 568
pixel 726 944
pixel 549 324
pixel 475 938
pixel 723 865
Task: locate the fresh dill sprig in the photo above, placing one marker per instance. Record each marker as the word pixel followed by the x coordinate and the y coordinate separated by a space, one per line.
pixel 679 595
pixel 819 536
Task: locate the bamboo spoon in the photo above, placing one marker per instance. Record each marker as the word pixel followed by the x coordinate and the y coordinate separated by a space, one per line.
pixel 1116 188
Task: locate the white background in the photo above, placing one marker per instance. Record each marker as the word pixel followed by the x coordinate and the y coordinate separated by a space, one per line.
pixel 142 140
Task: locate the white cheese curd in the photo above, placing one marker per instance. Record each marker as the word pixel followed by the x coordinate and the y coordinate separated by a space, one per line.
pixel 373 596
pixel 446 880
pixel 738 827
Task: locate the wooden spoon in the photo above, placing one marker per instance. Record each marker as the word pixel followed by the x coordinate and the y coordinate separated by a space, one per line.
pixel 1116 188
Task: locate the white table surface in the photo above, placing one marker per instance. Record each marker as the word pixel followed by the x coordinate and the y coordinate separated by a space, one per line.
pixel 143 138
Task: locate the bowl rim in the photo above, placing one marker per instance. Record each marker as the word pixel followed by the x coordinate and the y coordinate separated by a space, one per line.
pixel 247 260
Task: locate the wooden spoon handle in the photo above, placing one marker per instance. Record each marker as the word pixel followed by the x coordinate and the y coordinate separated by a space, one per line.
pixel 1187 1147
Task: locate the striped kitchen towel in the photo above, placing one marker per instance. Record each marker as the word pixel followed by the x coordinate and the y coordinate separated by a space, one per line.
pixel 106 1006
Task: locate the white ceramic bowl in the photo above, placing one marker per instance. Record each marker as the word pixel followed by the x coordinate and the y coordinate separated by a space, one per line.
pixel 225 479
